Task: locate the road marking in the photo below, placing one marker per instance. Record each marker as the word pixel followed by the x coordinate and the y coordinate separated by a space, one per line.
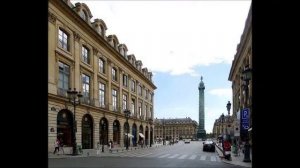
pixel 164 155
pixel 144 155
pixel 193 157
pixel 182 156
pixel 175 155
pixel 155 155
pixel 203 157
pixel 213 158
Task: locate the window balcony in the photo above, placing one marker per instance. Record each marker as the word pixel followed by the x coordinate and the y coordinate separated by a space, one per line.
pixel 87 101
pixel 62 92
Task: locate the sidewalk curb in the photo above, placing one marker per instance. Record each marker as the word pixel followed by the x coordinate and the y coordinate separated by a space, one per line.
pixel 102 154
pixel 229 162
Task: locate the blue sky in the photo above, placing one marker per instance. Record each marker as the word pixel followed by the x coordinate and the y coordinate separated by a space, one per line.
pixel 178 96
pixel 179 41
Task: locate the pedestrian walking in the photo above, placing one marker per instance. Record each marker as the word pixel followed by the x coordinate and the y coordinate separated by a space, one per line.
pixel 98 148
pixel 56 146
pixel 110 145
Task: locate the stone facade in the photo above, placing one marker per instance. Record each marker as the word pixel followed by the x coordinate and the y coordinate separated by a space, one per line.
pixel 242 59
pixel 170 129
pixel 82 56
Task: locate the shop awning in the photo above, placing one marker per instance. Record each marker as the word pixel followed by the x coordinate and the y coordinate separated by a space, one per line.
pixel 130 135
pixel 141 135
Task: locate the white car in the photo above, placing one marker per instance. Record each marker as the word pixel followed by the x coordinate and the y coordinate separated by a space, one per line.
pixel 187 140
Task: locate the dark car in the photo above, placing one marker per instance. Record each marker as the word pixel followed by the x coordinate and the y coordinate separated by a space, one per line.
pixel 209 146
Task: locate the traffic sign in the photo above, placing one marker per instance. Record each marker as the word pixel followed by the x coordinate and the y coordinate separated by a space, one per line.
pixel 245 121
pixel 245 113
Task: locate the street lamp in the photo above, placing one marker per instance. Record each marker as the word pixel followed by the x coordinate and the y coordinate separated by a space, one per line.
pixel 228 106
pixel 103 131
pixel 164 143
pixel 127 115
pixel 74 99
pixel 151 122
pixel 222 121
pixel 247 74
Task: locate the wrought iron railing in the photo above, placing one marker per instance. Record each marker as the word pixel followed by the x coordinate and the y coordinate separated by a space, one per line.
pixel 62 92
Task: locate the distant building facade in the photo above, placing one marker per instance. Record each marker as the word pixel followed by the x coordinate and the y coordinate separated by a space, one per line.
pixel 179 128
pixel 223 126
pixel 82 56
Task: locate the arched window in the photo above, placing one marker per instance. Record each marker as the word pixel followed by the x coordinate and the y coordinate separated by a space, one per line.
pixel 103 131
pixel 65 127
pixel 116 132
pixel 87 132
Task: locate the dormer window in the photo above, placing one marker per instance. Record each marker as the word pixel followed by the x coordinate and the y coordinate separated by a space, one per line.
pixel 102 30
pixel 98 29
pixel 83 15
pixel 114 44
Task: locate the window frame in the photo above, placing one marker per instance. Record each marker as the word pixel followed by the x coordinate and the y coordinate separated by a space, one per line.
pixel 84 84
pixel 114 74
pixel 101 94
pixel 124 101
pixel 125 80
pixel 85 54
pixel 63 42
pixel 64 73
pixel 101 68
pixel 114 99
pixel 132 85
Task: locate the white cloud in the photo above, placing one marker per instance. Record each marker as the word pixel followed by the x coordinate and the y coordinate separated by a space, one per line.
pixel 175 36
pixel 221 92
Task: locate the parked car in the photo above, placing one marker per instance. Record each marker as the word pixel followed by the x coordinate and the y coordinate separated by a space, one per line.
pixel 209 146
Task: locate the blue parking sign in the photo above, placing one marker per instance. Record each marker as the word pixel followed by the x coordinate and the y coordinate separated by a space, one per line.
pixel 245 113
pixel 245 123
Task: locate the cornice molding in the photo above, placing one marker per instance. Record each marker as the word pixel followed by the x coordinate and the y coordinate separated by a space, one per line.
pixel 51 17
pixel 76 36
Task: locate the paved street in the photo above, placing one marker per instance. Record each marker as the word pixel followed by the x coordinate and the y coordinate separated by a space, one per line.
pixel 178 155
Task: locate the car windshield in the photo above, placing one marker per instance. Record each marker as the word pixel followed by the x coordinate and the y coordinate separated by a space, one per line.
pixel 208 142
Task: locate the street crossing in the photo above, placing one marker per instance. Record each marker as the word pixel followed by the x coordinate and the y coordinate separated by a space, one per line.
pixel 145 154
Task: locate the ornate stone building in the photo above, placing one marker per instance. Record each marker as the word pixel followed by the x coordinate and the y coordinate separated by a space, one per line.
pixel 170 129
pixel 82 56
pixel 242 88
pixel 223 126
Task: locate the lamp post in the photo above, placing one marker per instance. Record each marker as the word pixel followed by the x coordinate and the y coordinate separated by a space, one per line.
pixel 228 107
pixel 222 121
pixel 103 130
pixel 164 132
pixel 151 139
pixel 246 77
pixel 74 99
pixel 127 114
